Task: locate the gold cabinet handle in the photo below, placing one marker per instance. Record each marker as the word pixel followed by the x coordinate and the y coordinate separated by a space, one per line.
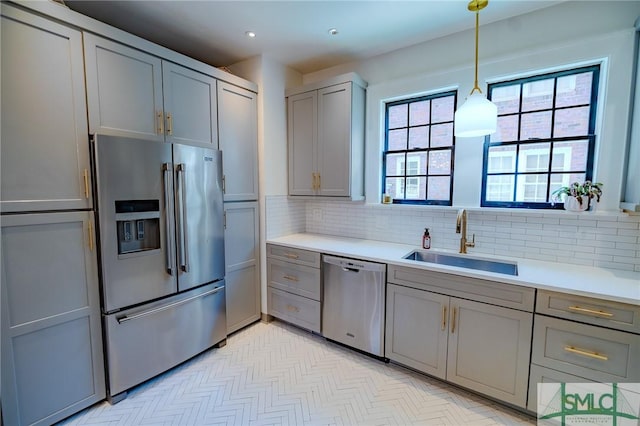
pixel 319 182
pixel 444 317
pixel 292 308
pixel 313 181
pixel 584 352
pixel 169 124
pixel 85 175
pixel 453 321
pixel 90 236
pixel 160 121
pixel 291 255
pixel 291 278
pixel 590 311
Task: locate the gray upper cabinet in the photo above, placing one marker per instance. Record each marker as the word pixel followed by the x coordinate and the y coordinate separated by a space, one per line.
pixel 242 264
pixel 189 106
pixel 325 124
pixel 238 141
pixel 52 360
pixel 45 159
pixel 133 94
pixel 124 90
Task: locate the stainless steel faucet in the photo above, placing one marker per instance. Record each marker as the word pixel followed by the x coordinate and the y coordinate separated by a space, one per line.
pixel 461 228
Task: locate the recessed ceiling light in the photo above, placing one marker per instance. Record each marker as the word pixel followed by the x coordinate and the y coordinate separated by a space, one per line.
pixel 250 34
pixel 333 31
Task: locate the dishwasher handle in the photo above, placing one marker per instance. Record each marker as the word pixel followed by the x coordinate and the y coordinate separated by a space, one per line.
pixel 353 265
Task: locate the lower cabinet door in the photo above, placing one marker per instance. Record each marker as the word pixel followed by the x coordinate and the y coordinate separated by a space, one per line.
pixel 52 361
pixel 416 330
pixel 295 309
pixel 547 375
pixel 489 350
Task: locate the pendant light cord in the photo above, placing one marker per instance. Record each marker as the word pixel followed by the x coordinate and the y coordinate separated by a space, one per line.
pixel 476 87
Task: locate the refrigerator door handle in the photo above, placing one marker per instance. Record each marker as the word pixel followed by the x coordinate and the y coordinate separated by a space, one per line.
pixel 166 170
pixel 168 306
pixel 184 252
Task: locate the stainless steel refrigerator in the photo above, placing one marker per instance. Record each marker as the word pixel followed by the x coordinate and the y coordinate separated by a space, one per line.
pixel 159 209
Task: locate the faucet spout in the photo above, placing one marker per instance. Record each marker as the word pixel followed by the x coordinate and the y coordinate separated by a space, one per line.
pixel 461 228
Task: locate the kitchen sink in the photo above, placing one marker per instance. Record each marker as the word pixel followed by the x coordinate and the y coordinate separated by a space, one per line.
pixel 507 268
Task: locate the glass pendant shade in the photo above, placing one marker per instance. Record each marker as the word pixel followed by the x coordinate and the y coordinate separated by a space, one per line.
pixel 478 116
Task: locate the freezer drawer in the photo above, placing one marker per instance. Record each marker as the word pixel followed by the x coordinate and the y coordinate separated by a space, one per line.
pixel 148 340
pixel 354 302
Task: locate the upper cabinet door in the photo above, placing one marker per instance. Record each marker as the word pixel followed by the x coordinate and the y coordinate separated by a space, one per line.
pixel 189 106
pixel 334 140
pixel 302 122
pixel 238 133
pixel 124 90
pixel 45 159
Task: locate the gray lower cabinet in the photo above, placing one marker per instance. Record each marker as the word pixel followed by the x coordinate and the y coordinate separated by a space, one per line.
pixel 52 359
pixel 45 146
pixel 242 260
pixel 478 345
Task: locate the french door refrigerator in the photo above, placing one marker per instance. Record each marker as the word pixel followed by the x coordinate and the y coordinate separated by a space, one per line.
pixel 159 209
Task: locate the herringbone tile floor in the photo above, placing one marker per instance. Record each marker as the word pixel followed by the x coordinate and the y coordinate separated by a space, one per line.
pixel 276 374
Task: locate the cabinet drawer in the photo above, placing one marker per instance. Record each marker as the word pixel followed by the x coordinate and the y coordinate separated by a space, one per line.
pixel 301 257
pixel 620 316
pixel 299 279
pixel 495 293
pixel 294 309
pixel 547 375
pixel 587 351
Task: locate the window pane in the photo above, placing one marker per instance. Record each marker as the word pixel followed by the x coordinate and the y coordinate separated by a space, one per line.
pixel 441 135
pixel 506 98
pixel 502 159
pixel 395 164
pixel 532 188
pixel 398 116
pixel 507 129
pixel 568 156
pixel 534 157
pixel 571 122
pixel 537 95
pixel 574 89
pixel 439 187
pixel 535 125
pixel 416 163
pixel 394 187
pixel 564 179
pixel 500 188
pixel 419 137
pixel 419 113
pixel 416 188
pixel 440 162
pixel 442 109
pixel 397 140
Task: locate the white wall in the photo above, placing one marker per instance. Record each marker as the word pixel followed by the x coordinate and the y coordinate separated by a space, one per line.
pixel 563 35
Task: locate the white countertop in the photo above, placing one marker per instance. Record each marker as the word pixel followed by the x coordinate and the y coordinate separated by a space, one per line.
pixel 608 284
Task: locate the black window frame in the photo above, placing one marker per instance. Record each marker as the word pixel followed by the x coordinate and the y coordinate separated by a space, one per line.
pixel 451 148
pixel 590 137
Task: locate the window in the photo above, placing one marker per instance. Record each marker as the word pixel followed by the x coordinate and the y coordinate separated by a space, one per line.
pixel 545 137
pixel 419 149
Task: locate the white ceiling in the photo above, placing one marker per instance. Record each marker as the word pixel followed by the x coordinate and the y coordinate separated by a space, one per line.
pixel 295 32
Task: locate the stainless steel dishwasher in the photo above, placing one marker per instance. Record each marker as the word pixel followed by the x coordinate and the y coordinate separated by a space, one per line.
pixel 353 306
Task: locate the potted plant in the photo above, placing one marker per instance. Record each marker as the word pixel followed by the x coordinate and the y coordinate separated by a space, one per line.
pixel 577 196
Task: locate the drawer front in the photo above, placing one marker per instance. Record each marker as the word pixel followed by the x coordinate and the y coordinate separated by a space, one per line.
pixel 295 309
pixel 595 353
pixel 301 257
pixel 299 279
pixel 547 375
pixel 495 293
pixel 620 316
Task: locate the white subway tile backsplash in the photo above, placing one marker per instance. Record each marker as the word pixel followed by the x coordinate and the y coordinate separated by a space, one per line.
pixel 609 240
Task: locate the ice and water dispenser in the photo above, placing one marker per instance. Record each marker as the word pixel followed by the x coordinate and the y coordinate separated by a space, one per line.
pixel 138 225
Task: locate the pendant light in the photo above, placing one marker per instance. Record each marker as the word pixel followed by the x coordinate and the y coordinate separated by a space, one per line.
pixel 478 116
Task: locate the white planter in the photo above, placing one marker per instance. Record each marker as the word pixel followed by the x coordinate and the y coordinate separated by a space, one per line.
pixel 571 204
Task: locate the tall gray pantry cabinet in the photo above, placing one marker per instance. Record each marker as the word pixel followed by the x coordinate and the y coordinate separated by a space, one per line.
pixel 52 359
